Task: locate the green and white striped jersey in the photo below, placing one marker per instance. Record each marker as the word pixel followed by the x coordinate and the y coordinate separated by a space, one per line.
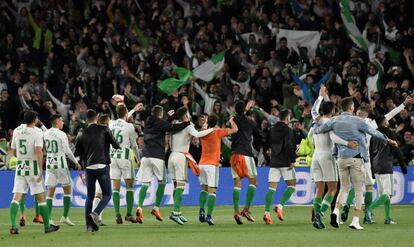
pixel 126 136
pixel 24 140
pixel 57 147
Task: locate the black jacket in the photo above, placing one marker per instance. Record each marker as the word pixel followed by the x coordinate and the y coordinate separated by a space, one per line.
pixel 94 143
pixel 382 155
pixel 282 145
pixel 241 141
pixel 154 136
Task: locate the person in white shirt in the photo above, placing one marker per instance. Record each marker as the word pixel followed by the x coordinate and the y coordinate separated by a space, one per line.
pixel 179 159
pixel 27 146
pixel 57 171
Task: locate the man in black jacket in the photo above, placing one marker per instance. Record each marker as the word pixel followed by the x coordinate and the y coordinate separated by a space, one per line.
pixel 153 158
pixel 93 145
pixel 282 162
pixel 242 154
pixel 382 156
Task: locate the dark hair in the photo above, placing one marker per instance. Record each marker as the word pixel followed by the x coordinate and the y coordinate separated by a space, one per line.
pixel 91 115
pixel 284 114
pixel 30 117
pixel 103 119
pixel 54 117
pixel 347 103
pixel 239 107
pixel 121 110
pixel 364 108
pixel 327 107
pixel 212 121
pixel 181 112
pixel 156 110
pixel 380 120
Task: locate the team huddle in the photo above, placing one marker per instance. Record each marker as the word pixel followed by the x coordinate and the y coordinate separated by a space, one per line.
pixel 347 148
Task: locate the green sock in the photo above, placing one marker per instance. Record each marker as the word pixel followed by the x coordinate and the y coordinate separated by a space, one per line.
pixel 387 207
pixel 380 201
pixel 203 199
pixel 159 194
pixel 115 200
pixel 351 196
pixel 22 206
pixel 286 195
pixel 211 203
pixel 269 198
pixel 14 208
pixel 236 198
pixel 317 202
pixel 49 203
pixel 178 194
pixel 250 195
pixel 326 203
pixel 36 208
pixel 43 210
pixel 368 199
pixel 67 199
pixel 129 200
pixel 142 194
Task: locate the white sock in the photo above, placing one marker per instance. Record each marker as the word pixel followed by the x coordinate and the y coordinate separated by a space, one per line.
pixel 95 203
pixel 355 220
pixel 336 211
pixel 280 205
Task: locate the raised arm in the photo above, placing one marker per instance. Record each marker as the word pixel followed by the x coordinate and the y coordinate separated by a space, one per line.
pixel 233 128
pixel 200 91
pixel 199 134
pixel 54 99
pixel 324 78
pixel 394 112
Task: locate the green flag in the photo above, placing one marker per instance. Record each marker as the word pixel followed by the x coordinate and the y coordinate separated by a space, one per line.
pixel 142 38
pixel 352 29
pixel 170 84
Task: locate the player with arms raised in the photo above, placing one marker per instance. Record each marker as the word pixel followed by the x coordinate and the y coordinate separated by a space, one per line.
pixel 121 163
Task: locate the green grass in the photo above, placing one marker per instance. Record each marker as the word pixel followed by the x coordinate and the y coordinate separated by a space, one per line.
pixel 296 230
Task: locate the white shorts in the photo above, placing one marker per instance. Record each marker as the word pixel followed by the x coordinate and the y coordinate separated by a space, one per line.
pixel 369 180
pixel 385 184
pixel 55 177
pixel 178 166
pixel 251 168
pixel 324 168
pixel 23 183
pixel 121 168
pixel 98 188
pixel 151 167
pixel 276 173
pixel 209 175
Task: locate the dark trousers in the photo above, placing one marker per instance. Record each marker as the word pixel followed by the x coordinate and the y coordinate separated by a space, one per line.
pixel 103 178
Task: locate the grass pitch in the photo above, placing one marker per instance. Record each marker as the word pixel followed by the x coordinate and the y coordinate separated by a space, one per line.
pixel 296 230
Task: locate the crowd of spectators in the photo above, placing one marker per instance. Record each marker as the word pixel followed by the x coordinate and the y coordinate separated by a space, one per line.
pixel 70 55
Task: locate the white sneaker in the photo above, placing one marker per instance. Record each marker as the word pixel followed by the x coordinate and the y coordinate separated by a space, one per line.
pixel 356 226
pixel 51 222
pixel 66 221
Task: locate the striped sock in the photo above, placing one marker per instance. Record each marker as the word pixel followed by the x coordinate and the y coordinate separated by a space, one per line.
pixel 286 195
pixel 22 206
pixel 178 194
pixel 49 203
pixel 317 204
pixel 159 194
pixel 142 195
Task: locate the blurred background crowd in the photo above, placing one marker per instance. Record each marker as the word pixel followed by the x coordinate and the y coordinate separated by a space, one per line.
pixel 70 55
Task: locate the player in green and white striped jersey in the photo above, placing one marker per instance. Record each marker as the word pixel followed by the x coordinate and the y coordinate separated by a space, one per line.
pixel 57 172
pixel 121 162
pixel 27 146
